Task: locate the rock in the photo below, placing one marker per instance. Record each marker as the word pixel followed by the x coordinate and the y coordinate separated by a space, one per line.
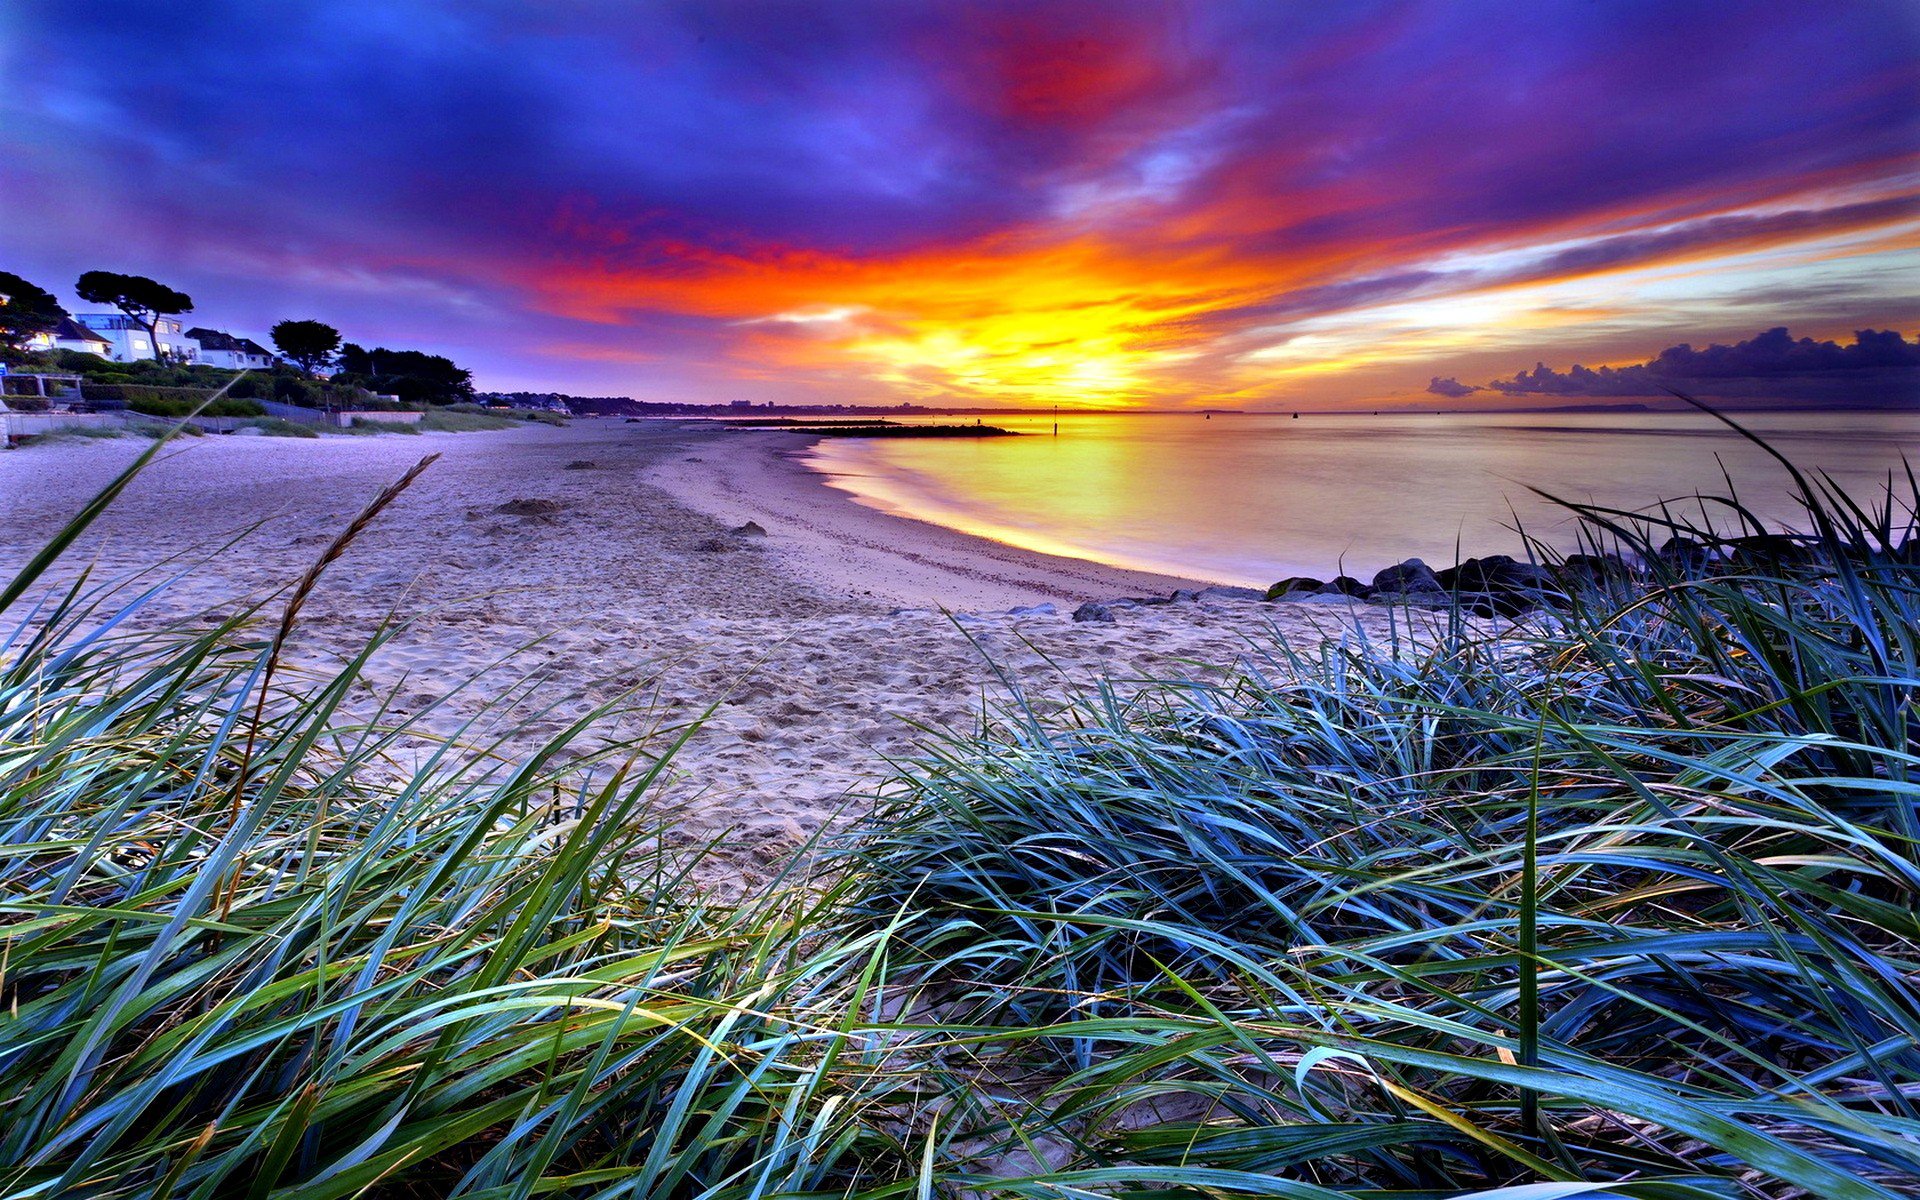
pixel 580 464
pixel 1033 610
pixel 1183 595
pixel 529 508
pixel 1231 593
pixel 1426 599
pixel 1091 611
pixel 1496 574
pixel 1137 602
pixel 1592 570
pixel 750 529
pixel 1494 604
pixel 1683 556
pixel 1293 583
pixel 1346 585
pixel 1321 598
pixel 1768 551
pixel 1409 576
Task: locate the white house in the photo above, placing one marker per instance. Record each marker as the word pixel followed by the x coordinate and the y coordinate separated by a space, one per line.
pixel 71 335
pixel 219 349
pixel 129 338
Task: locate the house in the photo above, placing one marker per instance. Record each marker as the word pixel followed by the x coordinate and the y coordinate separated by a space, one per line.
pixel 70 334
pixel 219 349
pixel 130 342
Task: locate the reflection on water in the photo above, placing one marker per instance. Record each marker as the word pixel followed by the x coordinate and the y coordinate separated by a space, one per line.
pixel 1247 499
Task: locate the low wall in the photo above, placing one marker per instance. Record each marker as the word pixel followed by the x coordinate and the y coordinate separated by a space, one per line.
pixel 15 426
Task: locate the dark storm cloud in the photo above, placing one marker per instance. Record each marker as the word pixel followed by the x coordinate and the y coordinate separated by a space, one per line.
pixel 1876 365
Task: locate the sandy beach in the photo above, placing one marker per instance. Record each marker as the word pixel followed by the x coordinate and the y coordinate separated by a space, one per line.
pixel 599 557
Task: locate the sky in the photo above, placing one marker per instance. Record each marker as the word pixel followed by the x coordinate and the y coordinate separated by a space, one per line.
pixel 1253 205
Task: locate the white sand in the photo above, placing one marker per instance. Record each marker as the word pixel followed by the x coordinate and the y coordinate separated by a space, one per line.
pixel 795 637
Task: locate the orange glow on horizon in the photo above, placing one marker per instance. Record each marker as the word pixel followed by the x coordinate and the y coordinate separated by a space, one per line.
pixel 1033 318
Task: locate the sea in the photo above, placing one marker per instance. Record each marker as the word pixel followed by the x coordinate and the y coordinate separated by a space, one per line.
pixel 1248 499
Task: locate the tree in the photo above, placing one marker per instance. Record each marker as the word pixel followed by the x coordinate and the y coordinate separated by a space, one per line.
pixel 412 375
pixel 309 343
pixel 25 309
pixel 143 300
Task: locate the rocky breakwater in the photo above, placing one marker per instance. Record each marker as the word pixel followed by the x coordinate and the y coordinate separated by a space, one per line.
pixel 1496 586
pixel 1502 586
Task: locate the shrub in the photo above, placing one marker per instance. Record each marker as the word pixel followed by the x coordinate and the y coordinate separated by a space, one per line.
pixel 459 419
pixel 172 402
pixel 291 390
pixel 281 427
pixel 69 433
pixel 364 426
pixel 142 427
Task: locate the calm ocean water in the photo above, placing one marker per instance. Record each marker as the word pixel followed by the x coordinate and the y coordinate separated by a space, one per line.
pixel 1248 499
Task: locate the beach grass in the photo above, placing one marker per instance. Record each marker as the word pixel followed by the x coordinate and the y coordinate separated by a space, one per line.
pixel 247 952
pixel 280 427
pixel 1621 897
pixel 362 427
pixel 452 420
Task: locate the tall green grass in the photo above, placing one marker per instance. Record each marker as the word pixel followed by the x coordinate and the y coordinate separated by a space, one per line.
pixel 246 948
pixel 1618 900
pixel 1627 895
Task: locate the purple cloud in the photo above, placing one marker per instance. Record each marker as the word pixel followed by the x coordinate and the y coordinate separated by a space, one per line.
pixel 432 174
pixel 1878 365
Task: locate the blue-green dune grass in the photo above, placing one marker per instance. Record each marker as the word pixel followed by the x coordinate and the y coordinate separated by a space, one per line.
pixel 1618 900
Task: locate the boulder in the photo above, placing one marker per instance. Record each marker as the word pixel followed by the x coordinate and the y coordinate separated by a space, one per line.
pixel 1683 556
pixel 1346 585
pixel 1423 599
pixel 1033 610
pixel 1183 595
pixel 1496 574
pixel 1494 604
pixel 1231 593
pixel 750 529
pixel 580 464
pixel 1091 611
pixel 1768 551
pixel 1592 570
pixel 1293 583
pixel 1408 577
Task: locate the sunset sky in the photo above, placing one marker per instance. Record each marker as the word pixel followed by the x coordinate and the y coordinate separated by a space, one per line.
pixel 1232 204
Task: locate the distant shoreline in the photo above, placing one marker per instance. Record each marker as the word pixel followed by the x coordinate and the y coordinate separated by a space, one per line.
pixel 848 547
